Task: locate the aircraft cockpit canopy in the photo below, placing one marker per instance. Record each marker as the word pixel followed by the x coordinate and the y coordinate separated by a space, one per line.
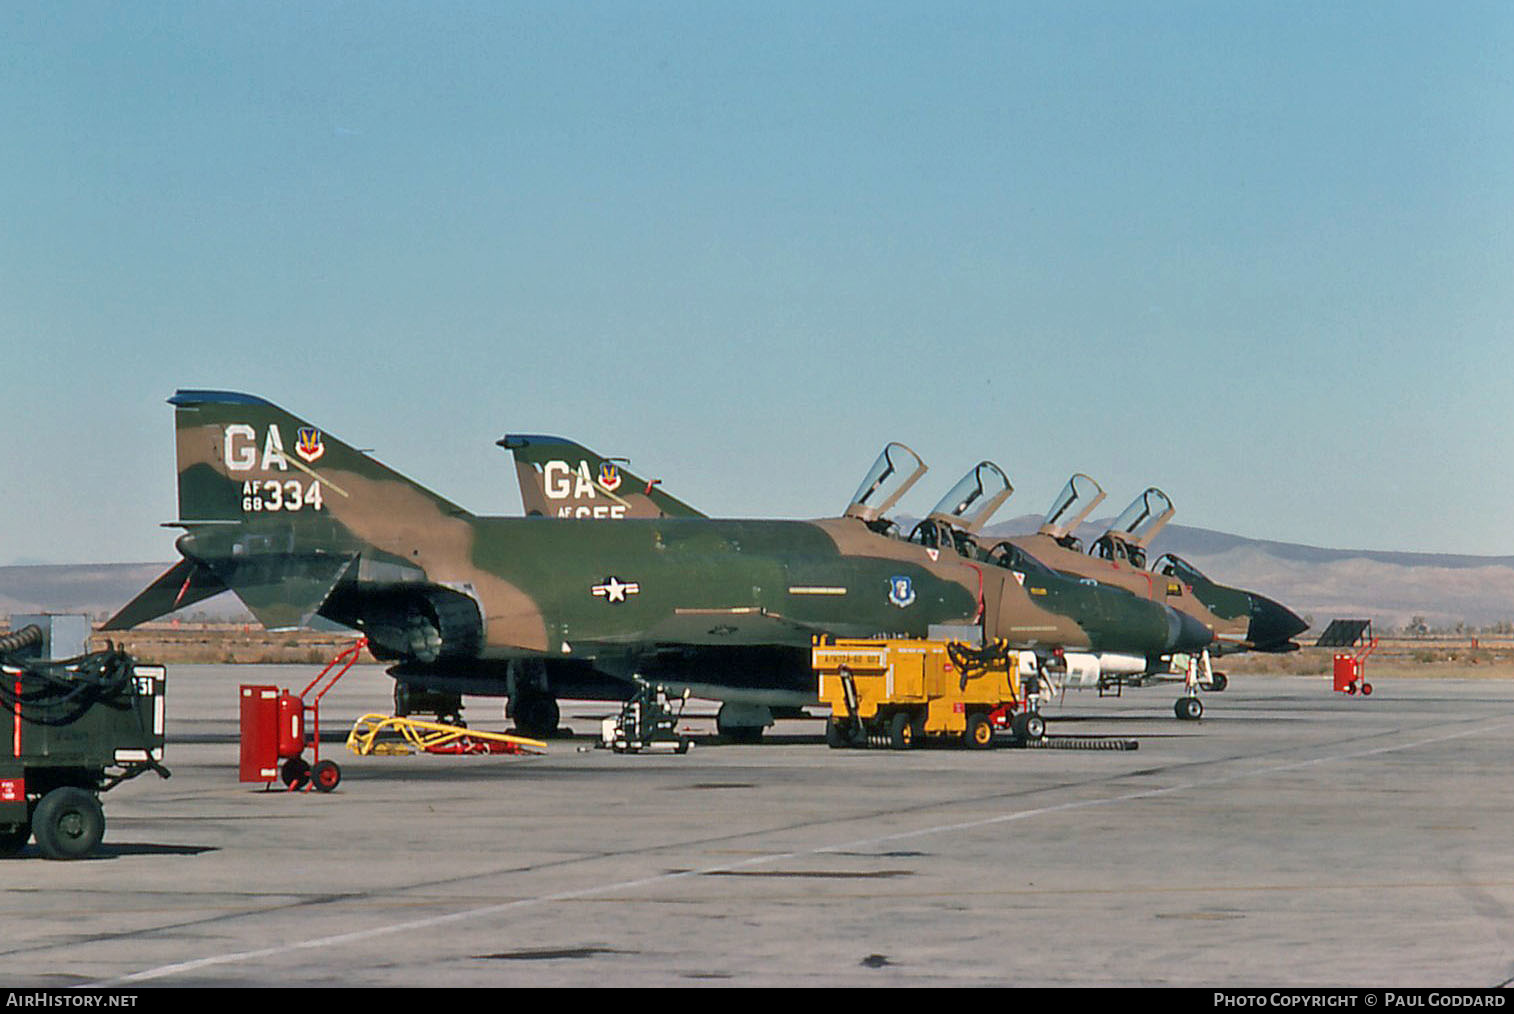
pixel 1110 546
pixel 1012 557
pixel 896 470
pixel 972 501
pixel 1077 499
pixel 1170 565
pixel 1145 516
pixel 933 533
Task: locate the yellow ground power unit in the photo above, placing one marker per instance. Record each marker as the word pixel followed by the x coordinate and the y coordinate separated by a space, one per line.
pixel 899 692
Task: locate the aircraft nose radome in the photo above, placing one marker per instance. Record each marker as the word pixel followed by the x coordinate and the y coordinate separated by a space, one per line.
pixel 1272 624
pixel 1186 633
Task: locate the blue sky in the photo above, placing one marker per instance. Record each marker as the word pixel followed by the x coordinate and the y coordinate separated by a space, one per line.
pixel 1260 255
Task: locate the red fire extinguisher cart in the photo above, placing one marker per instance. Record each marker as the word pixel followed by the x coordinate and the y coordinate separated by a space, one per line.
pixel 274 730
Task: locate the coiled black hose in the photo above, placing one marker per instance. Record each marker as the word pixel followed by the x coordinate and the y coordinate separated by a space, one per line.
pixel 59 693
pixel 24 638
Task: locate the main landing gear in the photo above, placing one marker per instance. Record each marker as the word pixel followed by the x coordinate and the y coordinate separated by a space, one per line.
pixel 536 715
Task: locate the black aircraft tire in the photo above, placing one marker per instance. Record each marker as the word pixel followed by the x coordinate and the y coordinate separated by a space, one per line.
pixel 1218 682
pixel 537 716
pixel 401 700
pixel 1034 727
pixel 14 839
pixel 1188 708
pixel 68 823
pixel 742 733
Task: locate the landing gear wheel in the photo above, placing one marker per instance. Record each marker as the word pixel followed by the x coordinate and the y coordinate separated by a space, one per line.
pixel 901 731
pixel 295 773
pixel 326 775
pixel 1188 708
pixel 537 716
pixel 69 823
pixel 980 732
pixel 1218 682
pixel 401 700
pixel 15 839
pixel 1027 726
pixel 736 733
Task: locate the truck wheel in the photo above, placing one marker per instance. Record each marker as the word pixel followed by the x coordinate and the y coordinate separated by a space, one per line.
pixel 14 839
pixel 68 823
pixel 835 736
pixel 980 732
pixel 901 731
pixel 326 775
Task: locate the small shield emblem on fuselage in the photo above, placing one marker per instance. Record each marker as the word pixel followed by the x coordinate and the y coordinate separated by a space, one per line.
pixel 901 590
pixel 609 476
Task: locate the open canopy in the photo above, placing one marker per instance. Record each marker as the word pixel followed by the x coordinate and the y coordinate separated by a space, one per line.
pixel 972 501
pixel 1144 517
pixel 896 470
pixel 1077 499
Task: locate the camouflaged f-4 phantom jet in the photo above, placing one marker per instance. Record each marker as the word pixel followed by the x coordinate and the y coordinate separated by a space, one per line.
pixel 299 524
pixel 1241 620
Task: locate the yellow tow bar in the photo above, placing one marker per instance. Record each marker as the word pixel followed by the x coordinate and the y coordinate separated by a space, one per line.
pixel 388 735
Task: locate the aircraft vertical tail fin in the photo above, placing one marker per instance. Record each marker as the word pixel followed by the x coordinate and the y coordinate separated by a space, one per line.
pixel 280 512
pixel 240 457
pixel 559 478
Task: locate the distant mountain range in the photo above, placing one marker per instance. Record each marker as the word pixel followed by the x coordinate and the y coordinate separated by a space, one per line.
pixel 1320 584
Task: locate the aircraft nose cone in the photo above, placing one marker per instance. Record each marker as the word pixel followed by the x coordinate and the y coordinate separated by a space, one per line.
pixel 1273 625
pixel 1186 634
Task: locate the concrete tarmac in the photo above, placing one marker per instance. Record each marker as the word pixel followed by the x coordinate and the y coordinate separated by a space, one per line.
pixel 1291 837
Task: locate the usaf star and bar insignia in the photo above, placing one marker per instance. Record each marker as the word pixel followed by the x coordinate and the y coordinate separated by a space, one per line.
pixel 613 589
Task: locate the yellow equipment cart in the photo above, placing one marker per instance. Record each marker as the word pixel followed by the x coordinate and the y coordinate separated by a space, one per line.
pixel 897 692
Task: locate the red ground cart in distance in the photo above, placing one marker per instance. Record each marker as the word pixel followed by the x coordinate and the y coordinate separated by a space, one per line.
pixel 73 729
pixel 1350 666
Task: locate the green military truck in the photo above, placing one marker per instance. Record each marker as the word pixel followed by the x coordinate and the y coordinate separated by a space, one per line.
pixel 74 728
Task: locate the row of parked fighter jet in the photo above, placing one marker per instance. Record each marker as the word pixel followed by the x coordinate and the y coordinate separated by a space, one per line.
pixel 560 604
